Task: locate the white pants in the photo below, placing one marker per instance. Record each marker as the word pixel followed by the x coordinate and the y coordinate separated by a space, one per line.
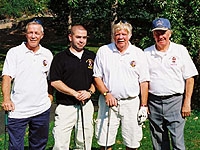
pixel 67 117
pixel 126 114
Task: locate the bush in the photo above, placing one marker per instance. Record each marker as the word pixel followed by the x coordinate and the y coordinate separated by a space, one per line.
pixel 17 8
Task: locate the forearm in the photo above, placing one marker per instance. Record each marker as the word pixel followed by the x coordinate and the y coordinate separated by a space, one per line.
pixel 189 85
pixel 144 93
pixel 186 108
pixel 92 88
pixel 100 85
pixel 6 87
pixel 63 88
pixel 50 91
pixel 109 98
pixel 7 104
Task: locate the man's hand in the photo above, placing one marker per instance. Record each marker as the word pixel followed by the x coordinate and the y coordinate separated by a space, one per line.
pixel 83 95
pixel 186 110
pixel 50 97
pixel 142 115
pixel 8 105
pixel 111 100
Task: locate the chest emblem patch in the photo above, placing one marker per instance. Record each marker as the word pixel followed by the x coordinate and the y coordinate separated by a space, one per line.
pixel 90 63
pixel 173 60
pixel 45 62
pixel 133 63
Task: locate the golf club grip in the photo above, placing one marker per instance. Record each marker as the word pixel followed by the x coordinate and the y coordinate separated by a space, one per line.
pixel 6 120
pixel 6 117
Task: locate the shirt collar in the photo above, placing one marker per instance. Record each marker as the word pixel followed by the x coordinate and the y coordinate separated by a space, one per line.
pixel 155 51
pixel 127 51
pixel 29 51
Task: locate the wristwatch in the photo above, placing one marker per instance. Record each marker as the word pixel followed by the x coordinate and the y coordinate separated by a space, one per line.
pixel 90 91
pixel 105 93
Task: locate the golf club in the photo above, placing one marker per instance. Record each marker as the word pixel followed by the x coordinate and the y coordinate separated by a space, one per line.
pixel 6 130
pixel 82 118
pixel 108 124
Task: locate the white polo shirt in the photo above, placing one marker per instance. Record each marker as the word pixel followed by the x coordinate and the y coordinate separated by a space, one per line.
pixel 29 71
pixel 168 70
pixel 121 73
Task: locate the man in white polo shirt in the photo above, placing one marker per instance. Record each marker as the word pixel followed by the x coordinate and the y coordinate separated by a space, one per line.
pixel 28 103
pixel 121 74
pixel 170 87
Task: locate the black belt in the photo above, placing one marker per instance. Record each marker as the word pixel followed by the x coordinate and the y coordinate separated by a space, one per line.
pixel 165 96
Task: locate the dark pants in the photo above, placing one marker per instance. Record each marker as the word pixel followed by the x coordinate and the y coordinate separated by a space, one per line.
pixel 166 119
pixel 38 131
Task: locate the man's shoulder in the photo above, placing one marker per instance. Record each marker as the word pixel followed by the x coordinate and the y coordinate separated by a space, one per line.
pixel 46 49
pixel 17 49
pixel 107 48
pixel 150 48
pixel 176 45
pixel 61 54
pixel 134 47
pixel 89 52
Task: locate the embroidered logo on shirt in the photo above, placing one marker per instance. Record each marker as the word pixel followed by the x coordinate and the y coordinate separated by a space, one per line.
pixel 90 63
pixel 45 62
pixel 133 63
pixel 173 60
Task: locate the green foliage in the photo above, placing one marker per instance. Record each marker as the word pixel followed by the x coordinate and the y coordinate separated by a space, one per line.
pixel 17 8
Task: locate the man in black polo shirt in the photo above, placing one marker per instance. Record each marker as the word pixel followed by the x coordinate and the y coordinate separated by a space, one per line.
pixel 71 75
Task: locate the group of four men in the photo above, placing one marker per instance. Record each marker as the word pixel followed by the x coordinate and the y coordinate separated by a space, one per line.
pixel 132 83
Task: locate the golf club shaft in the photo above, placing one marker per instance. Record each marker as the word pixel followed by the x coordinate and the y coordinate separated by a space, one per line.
pixel 6 130
pixel 108 124
pixel 83 127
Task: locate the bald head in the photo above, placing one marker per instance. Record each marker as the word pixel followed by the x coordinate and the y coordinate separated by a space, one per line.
pixel 77 27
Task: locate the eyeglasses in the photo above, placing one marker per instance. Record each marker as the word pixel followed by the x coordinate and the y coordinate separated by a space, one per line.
pixel 120 20
pixel 37 21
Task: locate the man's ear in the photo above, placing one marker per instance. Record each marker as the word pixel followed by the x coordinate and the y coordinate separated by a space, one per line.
pixel 170 33
pixel 42 36
pixel 70 37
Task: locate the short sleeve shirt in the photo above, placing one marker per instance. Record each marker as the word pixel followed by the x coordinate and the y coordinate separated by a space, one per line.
pixel 169 70
pixel 74 72
pixel 29 71
pixel 121 73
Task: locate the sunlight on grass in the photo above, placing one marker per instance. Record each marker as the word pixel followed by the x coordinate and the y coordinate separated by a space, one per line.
pixel 192 136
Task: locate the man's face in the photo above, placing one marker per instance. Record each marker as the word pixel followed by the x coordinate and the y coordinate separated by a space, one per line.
pixel 78 39
pixel 162 37
pixel 121 39
pixel 34 34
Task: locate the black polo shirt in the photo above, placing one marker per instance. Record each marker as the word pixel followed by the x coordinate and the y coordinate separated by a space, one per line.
pixel 74 72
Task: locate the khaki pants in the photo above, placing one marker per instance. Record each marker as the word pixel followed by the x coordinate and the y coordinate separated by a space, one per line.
pixel 67 117
pixel 126 115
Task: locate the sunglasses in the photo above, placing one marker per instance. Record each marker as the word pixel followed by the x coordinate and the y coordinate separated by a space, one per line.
pixel 37 21
pixel 120 20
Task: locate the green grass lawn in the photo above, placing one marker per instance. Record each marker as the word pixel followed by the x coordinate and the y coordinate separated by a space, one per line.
pixel 192 136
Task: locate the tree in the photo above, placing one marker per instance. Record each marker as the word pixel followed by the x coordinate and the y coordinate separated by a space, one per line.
pixel 99 15
pixel 17 8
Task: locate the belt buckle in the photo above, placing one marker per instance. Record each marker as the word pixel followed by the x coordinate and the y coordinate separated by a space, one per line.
pixel 165 96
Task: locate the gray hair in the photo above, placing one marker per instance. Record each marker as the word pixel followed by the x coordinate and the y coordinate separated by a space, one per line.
pixel 120 26
pixel 35 22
